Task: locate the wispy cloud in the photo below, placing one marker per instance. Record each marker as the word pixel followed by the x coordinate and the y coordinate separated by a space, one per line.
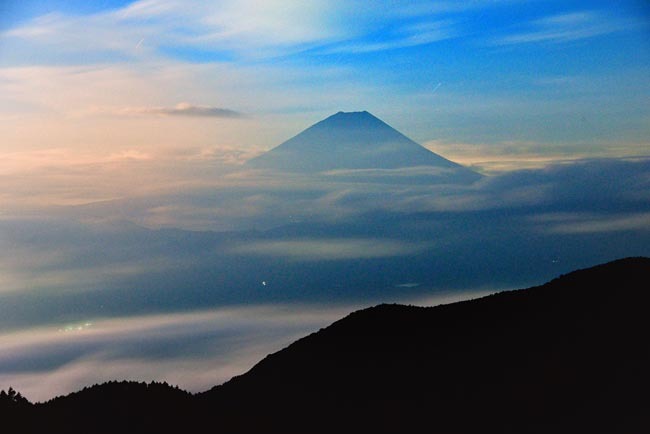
pixel 250 28
pixel 244 28
pixel 566 27
pixel 409 35
pixel 182 109
pixel 330 249
pixel 394 173
pixel 501 157
pixel 592 224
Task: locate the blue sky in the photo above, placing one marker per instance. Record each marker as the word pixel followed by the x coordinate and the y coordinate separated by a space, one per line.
pixel 549 72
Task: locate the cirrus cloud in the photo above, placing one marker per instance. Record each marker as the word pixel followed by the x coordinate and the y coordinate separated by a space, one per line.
pixel 567 27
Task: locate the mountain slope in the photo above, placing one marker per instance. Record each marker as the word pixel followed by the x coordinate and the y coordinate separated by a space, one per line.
pixel 352 141
pixel 568 356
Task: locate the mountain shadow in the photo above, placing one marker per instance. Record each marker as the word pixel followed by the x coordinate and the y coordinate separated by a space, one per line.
pixel 568 356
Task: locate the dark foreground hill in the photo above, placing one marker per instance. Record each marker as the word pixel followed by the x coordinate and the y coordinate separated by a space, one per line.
pixel 568 356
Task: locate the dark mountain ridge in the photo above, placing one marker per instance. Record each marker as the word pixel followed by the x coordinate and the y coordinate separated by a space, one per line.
pixel 567 356
pixel 353 141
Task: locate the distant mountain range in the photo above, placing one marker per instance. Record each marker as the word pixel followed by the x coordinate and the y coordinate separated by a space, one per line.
pixel 568 356
pixel 356 144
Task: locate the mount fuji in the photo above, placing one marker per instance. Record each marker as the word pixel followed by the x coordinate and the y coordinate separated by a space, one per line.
pixel 358 144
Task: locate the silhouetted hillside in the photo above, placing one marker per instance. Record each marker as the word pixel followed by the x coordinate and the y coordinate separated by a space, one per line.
pixel 568 356
pixel 113 407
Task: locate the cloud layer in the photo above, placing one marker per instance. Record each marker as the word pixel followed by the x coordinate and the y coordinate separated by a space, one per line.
pixel 97 299
pixel 196 350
